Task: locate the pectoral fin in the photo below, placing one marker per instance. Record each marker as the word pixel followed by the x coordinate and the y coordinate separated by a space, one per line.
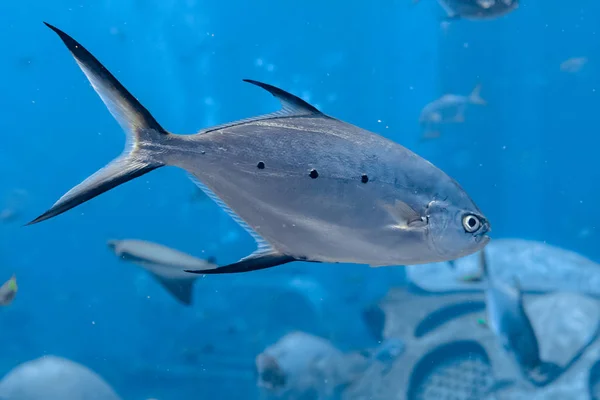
pixel 254 262
pixel 404 215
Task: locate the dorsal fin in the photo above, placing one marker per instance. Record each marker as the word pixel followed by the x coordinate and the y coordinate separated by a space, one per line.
pixel 291 105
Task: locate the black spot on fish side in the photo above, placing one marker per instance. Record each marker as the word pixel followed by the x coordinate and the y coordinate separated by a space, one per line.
pixel 364 178
pixel 260 165
pixel 313 174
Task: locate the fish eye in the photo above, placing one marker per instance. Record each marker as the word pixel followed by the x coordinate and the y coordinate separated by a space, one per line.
pixel 471 223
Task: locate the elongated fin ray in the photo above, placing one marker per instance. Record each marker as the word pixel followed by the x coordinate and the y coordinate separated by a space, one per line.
pixel 291 106
pixel 139 126
pixel 125 108
pixel 254 262
pixel 121 170
pixel 181 289
pixel 262 245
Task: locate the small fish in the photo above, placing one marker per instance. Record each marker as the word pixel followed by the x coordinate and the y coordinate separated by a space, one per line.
pixel 477 9
pixel 8 291
pixel 448 109
pixel 573 65
pixel 306 186
pixel 166 265
pixel 508 320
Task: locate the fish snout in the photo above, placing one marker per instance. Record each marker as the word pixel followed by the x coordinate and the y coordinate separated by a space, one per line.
pixel 486 227
pixel 482 235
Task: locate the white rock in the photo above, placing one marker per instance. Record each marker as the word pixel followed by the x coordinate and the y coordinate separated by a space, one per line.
pixel 54 378
pixel 538 266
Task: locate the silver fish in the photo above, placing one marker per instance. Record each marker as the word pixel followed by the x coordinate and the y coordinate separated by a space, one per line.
pixel 509 321
pixel 573 65
pixel 450 108
pixel 478 9
pixel 305 185
pixel 165 264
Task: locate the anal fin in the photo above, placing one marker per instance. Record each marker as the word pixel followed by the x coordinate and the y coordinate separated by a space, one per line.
pixel 181 289
pixel 254 262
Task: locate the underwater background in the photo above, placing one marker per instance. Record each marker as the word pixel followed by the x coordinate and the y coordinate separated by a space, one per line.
pixel 528 158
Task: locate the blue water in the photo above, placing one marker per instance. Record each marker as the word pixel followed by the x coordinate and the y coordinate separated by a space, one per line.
pixel 528 159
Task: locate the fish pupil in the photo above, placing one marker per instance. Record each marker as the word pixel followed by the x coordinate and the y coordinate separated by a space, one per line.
pixel 472 222
pixel 364 178
pixel 313 174
pixel 260 165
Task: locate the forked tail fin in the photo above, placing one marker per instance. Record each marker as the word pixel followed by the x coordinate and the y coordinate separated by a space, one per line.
pixel 140 127
pixel 475 96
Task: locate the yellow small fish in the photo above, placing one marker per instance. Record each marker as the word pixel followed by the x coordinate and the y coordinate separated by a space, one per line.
pixel 8 291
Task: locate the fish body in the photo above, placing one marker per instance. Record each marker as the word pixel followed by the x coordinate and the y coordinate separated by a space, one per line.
pixel 8 291
pixel 450 108
pixel 478 9
pixel 509 321
pixel 305 185
pixel 573 65
pixel 165 264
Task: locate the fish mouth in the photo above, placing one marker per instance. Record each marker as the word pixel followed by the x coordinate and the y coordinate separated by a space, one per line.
pixel 482 239
pixel 112 244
